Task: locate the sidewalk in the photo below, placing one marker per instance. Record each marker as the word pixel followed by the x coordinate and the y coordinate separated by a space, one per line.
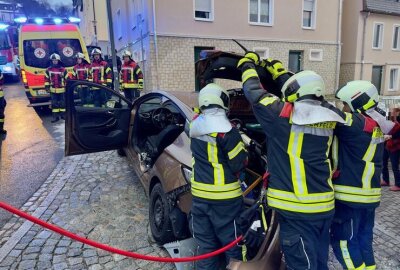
pixel 100 197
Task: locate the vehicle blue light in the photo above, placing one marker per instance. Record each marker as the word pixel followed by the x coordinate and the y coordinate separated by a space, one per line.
pixel 21 20
pixel 39 20
pixel 74 20
pixel 57 20
pixel 3 26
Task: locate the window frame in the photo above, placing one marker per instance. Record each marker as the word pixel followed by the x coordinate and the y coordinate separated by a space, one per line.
pixel 313 17
pixel 380 45
pixel 211 19
pixel 313 59
pixel 395 81
pixel 271 13
pixel 396 26
pixel 119 27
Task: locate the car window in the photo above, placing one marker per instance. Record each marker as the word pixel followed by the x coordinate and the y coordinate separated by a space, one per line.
pixel 88 96
pixel 38 51
pixel 149 105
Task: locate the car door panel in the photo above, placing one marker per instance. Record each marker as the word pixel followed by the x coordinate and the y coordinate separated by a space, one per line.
pixel 94 129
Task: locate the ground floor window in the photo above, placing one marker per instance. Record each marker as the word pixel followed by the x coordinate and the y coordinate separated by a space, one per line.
pixel 295 61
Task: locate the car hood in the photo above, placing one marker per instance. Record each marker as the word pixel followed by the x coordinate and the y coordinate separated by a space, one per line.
pixel 214 64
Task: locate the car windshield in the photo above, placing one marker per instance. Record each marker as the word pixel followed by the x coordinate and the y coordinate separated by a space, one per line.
pixel 38 51
pixel 4 44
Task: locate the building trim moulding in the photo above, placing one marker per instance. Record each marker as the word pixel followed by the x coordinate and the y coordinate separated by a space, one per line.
pixel 247 39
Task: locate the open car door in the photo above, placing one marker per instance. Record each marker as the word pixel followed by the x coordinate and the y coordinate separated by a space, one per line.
pixel 97 118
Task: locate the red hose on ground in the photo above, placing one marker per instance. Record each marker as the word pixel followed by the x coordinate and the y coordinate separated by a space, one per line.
pixel 130 254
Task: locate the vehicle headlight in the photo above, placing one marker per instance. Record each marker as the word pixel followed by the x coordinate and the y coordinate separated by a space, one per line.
pixel 187 173
pixel 7 69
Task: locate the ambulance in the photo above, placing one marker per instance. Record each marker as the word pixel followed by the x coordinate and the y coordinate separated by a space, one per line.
pixel 38 39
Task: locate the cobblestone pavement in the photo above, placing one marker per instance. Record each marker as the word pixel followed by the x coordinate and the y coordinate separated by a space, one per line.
pixel 100 197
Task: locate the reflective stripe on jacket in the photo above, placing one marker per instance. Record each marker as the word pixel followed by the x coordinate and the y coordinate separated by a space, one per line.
pixel 217 158
pixel 131 75
pixel 357 154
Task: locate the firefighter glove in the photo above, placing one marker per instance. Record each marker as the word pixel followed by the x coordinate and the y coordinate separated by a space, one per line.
pixel 249 57
pixel 274 67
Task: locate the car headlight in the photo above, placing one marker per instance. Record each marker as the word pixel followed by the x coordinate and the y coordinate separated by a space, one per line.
pixel 187 173
pixel 7 69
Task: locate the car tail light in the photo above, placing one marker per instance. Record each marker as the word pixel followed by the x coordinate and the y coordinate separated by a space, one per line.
pixel 187 173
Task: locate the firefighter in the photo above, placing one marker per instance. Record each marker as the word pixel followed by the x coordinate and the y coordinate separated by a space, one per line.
pixel 299 131
pixel 219 157
pixel 55 78
pixel 3 104
pixel 100 73
pixel 131 77
pixel 357 153
pixel 81 72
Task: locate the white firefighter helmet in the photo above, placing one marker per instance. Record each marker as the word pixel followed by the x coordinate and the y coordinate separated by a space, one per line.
pixel 55 56
pixel 96 51
pixel 80 55
pixel 302 84
pixel 213 95
pixel 359 95
pixel 127 53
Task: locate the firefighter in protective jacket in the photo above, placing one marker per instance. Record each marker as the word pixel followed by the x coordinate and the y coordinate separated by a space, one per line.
pixel 55 78
pixel 357 154
pixel 100 73
pixel 299 133
pixel 219 156
pixel 3 103
pixel 131 77
pixel 81 72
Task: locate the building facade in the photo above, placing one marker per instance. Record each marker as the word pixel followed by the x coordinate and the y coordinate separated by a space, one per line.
pixel 9 11
pixel 94 23
pixel 167 36
pixel 371 45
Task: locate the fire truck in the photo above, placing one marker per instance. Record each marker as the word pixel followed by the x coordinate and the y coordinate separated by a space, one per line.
pixel 38 39
pixel 9 64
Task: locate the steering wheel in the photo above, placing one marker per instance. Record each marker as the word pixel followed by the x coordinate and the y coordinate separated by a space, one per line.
pixel 161 117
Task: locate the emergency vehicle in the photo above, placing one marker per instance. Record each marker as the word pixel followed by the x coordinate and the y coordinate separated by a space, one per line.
pixel 9 64
pixel 38 39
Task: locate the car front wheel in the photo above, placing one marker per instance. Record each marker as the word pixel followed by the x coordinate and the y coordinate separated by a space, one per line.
pixel 160 223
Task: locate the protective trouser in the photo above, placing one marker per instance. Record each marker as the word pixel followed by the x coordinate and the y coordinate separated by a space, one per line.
pixel 131 93
pixel 57 104
pixel 394 160
pixel 99 97
pixel 305 243
pixel 351 237
pixel 85 96
pixel 2 116
pixel 385 169
pixel 213 226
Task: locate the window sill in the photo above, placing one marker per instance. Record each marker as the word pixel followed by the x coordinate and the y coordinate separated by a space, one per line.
pixel 203 19
pixel 377 48
pixel 396 49
pixel 308 28
pixel 261 24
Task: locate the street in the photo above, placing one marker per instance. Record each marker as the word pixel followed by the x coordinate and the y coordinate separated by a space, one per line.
pixel 32 149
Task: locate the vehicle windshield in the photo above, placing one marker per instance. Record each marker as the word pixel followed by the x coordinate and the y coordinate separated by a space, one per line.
pixel 4 44
pixel 38 51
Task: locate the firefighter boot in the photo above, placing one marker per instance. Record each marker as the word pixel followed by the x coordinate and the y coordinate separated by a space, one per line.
pixel 3 132
pixel 55 118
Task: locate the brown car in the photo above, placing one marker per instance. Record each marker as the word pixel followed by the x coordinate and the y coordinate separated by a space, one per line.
pixel 153 134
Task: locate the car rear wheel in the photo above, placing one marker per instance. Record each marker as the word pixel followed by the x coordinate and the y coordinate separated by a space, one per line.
pixel 160 223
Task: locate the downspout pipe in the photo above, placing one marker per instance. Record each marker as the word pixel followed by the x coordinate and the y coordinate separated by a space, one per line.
pixel 339 43
pixel 155 43
pixel 365 15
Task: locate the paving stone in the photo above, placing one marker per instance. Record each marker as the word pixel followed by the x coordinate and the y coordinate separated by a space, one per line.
pixel 15 253
pixel 45 257
pixel 59 258
pixel 44 235
pixel 28 264
pixel 73 261
pixel 95 267
pixel 89 253
pixel 60 250
pixel 60 266
pixel 30 250
pixel 91 260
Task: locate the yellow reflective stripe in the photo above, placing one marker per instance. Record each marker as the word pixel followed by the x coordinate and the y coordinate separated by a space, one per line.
pixel 140 80
pixel 1 120
pixel 268 100
pixel 62 110
pixel 357 190
pixel 297 198
pixel 1 93
pixel 369 169
pixel 212 152
pixel 297 163
pixel 357 198
pixel 244 253
pixel 55 110
pixel 217 195
pixel 301 207
pixel 109 80
pixel 335 153
pixel 370 267
pixel 249 73
pixel 46 83
pixel 264 220
pixel 138 71
pixel 213 188
pixel 130 85
pixel 346 254
pixel 235 151
pixel 292 98
pixel 349 119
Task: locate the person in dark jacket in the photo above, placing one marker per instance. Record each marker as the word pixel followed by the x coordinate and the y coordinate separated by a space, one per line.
pixel 299 130
pixel 3 104
pixel 219 157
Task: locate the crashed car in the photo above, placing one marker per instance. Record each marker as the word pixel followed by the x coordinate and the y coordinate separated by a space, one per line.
pixel 153 134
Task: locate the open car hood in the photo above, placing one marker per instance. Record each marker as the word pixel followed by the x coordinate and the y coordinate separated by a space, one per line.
pixel 214 64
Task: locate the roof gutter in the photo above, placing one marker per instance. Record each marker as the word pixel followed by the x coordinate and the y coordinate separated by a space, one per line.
pixel 339 43
pixel 365 17
pixel 155 43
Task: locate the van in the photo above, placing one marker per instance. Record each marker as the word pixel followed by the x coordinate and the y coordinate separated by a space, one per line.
pixel 38 39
